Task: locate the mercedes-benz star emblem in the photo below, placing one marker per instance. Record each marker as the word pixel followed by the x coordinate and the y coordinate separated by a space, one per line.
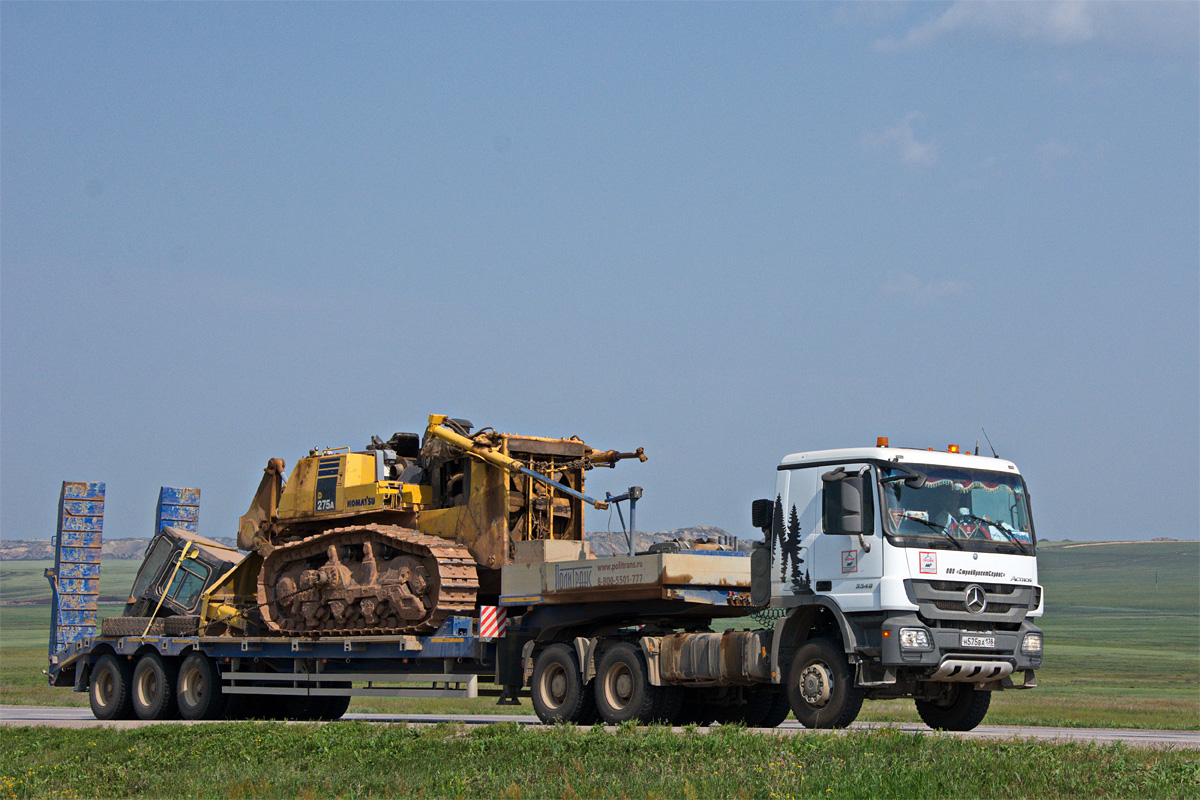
pixel 976 599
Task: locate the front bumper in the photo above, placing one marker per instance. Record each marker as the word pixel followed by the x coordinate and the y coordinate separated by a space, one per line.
pixel 946 659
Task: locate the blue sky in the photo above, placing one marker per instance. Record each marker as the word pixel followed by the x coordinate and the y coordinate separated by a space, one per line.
pixel 722 232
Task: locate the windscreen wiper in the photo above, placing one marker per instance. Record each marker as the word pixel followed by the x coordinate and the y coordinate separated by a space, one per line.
pixel 939 528
pixel 1000 526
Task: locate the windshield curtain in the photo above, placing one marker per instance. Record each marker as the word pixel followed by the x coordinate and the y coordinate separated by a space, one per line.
pixel 972 506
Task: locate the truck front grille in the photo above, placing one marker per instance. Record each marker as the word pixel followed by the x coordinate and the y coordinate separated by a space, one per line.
pixel 946 601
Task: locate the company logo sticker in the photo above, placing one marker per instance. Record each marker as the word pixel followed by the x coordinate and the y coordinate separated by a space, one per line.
pixel 928 563
pixel 849 561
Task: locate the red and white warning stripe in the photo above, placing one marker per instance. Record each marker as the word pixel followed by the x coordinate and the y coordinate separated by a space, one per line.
pixel 493 622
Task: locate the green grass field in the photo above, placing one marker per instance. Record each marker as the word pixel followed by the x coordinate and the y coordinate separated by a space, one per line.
pixel 1122 629
pixel 351 759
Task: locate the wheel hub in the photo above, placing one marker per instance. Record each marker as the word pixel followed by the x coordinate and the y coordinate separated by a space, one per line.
pixel 816 684
pixel 104 688
pixel 556 686
pixel 147 688
pixel 191 686
pixel 619 686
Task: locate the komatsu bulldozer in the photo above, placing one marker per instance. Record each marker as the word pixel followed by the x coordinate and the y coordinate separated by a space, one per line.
pixel 395 538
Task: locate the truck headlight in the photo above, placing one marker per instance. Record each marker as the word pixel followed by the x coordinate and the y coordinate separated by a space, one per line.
pixel 1031 645
pixel 914 639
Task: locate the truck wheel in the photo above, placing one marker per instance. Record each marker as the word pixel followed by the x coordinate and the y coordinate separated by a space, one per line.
pixel 965 708
pixel 780 708
pixel 695 708
pixel 154 680
pixel 668 705
pixel 623 690
pixel 765 708
pixel 558 692
pixel 110 688
pixel 198 688
pixel 820 687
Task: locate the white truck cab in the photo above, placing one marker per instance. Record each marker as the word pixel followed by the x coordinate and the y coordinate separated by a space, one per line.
pixel 899 572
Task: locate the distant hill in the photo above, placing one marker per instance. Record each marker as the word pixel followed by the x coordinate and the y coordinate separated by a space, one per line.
pixel 43 549
pixel 606 544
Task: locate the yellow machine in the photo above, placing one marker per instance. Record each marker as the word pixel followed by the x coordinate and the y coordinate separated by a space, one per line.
pixel 396 538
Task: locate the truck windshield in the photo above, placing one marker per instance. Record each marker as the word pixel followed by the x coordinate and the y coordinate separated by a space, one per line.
pixel 978 509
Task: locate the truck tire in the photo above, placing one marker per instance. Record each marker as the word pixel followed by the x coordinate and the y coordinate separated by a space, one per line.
pixel 695 708
pixel 154 680
pixel 780 708
pixel 668 706
pixel 110 688
pixel 198 688
pixel 820 686
pixel 764 708
pixel 965 709
pixel 558 691
pixel 623 690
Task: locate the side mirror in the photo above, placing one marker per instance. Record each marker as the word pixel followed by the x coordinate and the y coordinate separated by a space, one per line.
pixel 761 513
pixel 912 479
pixel 846 507
pixel 760 574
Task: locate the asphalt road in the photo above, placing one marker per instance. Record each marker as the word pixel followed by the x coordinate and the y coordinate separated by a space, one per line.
pixel 60 717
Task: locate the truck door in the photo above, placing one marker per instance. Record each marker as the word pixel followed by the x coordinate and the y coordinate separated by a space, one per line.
pixel 795 526
pixel 845 566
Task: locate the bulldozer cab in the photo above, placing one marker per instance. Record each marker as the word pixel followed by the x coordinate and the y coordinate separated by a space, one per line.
pixel 175 581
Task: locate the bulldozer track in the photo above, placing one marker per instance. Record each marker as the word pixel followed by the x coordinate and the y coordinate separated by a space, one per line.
pixel 447 576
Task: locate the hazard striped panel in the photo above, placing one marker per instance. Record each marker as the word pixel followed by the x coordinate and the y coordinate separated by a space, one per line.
pixel 493 622
pixel 75 579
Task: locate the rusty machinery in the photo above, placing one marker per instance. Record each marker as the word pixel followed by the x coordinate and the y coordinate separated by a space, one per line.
pixel 395 538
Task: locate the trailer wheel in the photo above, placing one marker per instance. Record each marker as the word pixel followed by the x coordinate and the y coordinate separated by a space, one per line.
pixel 303 708
pixel 558 691
pixel 198 688
pixel 336 709
pixel 623 690
pixel 966 708
pixel 154 680
pixel 820 687
pixel 110 688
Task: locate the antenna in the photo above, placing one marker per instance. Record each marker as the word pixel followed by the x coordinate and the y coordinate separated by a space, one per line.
pixel 989 441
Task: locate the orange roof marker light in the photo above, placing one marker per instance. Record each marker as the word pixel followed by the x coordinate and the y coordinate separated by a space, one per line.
pixel 881 441
pixel 953 448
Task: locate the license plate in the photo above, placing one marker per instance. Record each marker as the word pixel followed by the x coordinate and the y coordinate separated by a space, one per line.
pixel 978 641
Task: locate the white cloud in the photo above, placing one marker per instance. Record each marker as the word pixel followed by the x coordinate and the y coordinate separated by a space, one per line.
pixel 1151 26
pixel 902 140
pixel 909 287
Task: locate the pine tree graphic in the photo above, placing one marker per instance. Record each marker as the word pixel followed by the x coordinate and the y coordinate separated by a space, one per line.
pixel 777 535
pixel 793 547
